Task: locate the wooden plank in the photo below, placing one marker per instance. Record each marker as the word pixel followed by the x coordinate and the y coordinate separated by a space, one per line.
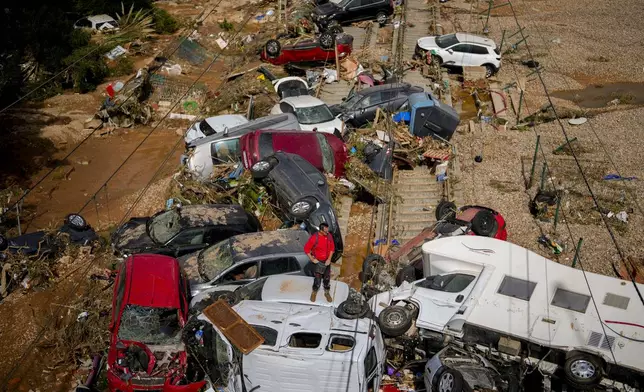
pixel 474 73
pixel 499 100
pixel 235 328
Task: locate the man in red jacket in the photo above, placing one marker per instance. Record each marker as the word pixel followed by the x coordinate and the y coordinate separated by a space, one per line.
pixel 320 249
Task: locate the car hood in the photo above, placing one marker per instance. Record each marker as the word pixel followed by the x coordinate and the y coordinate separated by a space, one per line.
pixel 133 237
pixel 326 127
pixel 428 43
pixel 326 9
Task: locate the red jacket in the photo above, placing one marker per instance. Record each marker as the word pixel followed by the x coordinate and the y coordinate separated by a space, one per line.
pixel 320 245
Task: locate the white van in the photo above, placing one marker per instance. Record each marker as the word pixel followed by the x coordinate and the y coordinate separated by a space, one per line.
pixel 497 294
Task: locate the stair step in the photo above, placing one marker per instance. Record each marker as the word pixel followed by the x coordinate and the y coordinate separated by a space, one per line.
pixel 420 187
pixel 425 180
pixel 414 173
pixel 415 227
pixel 404 208
pixel 407 214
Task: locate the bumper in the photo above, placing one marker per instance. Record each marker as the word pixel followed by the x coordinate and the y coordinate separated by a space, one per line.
pixel 149 384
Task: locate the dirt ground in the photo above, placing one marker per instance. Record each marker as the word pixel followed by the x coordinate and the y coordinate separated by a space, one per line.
pixel 591 54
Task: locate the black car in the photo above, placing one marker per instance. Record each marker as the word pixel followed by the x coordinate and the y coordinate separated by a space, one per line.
pixel 360 107
pixel 183 230
pixel 301 192
pixel 43 243
pixel 347 11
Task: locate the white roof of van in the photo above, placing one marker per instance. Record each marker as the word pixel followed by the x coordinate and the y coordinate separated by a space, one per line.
pixel 296 289
pixel 464 37
pixel 101 18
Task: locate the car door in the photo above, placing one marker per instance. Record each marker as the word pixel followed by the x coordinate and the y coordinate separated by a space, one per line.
pixel 353 11
pixel 479 55
pixel 367 108
pixel 388 98
pixel 441 297
pixel 187 241
pixel 463 55
pixel 454 54
pixel 225 151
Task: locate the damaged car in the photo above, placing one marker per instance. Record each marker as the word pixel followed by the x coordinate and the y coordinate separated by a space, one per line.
pixel 301 192
pixel 213 125
pixel 326 152
pixel 244 258
pixel 182 230
pixel 307 50
pixel 312 114
pixel 149 311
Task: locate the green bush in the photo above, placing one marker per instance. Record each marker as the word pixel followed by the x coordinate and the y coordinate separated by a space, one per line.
pixel 163 22
pixel 226 25
pixel 90 71
pixel 123 66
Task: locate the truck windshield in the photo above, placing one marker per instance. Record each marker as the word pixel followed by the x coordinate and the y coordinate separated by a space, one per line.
pixel 445 41
pixel 152 326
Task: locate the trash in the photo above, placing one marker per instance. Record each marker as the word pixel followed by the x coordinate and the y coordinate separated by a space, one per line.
pixel 402 117
pixel 222 44
pixel 329 75
pixel 618 177
pixel 127 106
pixel 530 63
pixel 347 183
pixel 270 12
pixel 383 136
pixel 350 66
pixel 181 116
pixel 556 41
pixel 542 203
pixel 190 106
pixel 478 159
pixel 577 121
pixel 116 52
pixel 554 246
pixel 118 86
pixel 622 216
pixel 174 70
pixel 26 282
pixel 82 316
pixel 614 102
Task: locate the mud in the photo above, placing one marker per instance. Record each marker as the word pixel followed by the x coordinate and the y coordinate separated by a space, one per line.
pixel 198 215
pixel 599 95
pixel 269 242
pixel 355 247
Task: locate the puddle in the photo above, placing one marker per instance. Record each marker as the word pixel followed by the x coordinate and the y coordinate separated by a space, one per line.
pixel 465 104
pixel 598 96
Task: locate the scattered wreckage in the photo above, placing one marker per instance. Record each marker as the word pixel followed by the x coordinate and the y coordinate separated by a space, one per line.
pixel 129 106
pixel 472 282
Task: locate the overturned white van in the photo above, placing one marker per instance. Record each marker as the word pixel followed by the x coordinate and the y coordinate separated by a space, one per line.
pixel 499 295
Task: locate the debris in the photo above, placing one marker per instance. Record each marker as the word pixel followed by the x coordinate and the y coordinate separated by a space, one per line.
pixel 116 52
pixel 478 159
pixel 554 246
pixel 347 183
pixel 329 75
pixel 621 216
pixel 577 121
pixel 614 102
pixel 174 70
pixel 222 44
pixel 180 116
pixel 542 203
pixel 351 68
pixel 530 63
pixel 617 177
pixel 128 106
pixel 556 41
pixel 82 316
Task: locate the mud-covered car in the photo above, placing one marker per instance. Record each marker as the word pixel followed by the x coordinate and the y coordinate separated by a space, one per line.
pixel 42 243
pixel 183 230
pixel 298 50
pixel 301 192
pixel 149 311
pixel 244 258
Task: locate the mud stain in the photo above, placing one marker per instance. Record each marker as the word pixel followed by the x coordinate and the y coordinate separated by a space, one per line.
pixel 356 243
pixel 599 95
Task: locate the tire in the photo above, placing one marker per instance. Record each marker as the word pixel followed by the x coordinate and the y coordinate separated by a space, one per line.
pixel 394 321
pixel 583 371
pixel 273 48
pixel 261 169
pixel 303 214
pixel 449 380
pixel 489 70
pixel 437 59
pixel 381 18
pixel 369 266
pixel 445 210
pixel 484 224
pixel 335 29
pixel 4 243
pixel 351 310
pixel 406 274
pixel 76 222
pixel 327 40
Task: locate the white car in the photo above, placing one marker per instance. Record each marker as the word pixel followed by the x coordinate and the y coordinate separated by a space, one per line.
pixel 462 50
pixel 213 125
pixel 97 22
pixel 312 114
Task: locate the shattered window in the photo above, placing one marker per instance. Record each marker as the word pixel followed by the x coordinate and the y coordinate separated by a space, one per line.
pixel 305 340
pixel 165 226
pixel 251 291
pixel 226 151
pixel 154 326
pixel 350 102
pixel 206 129
pixel 314 114
pixel 215 260
pixel 453 283
pixel 327 153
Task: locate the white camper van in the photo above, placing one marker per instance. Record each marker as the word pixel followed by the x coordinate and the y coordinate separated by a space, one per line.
pixel 500 295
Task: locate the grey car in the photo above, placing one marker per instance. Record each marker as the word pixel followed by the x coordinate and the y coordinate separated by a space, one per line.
pixel 244 258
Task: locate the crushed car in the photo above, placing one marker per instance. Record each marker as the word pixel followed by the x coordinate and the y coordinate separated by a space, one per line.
pixel 289 86
pixel 213 125
pixel 301 192
pixel 101 23
pixel 149 311
pixel 312 114
pixel 326 152
pixel 244 258
pixel 307 50
pixel 203 154
pixel 182 230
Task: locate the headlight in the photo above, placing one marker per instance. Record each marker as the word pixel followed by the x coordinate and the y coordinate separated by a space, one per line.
pixel 301 207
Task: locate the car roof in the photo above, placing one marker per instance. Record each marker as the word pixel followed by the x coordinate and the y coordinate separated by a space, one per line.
pixel 218 123
pixel 101 18
pixel 475 39
pixel 271 121
pixel 154 281
pixel 246 246
pixel 213 214
pixel 296 289
pixel 382 87
pixel 290 172
pixel 303 101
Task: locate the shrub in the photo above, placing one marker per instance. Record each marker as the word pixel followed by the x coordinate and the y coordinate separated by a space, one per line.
pixel 163 22
pixel 226 25
pixel 89 71
pixel 122 66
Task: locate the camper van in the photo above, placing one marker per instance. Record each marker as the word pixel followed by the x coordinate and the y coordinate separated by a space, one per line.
pixel 499 295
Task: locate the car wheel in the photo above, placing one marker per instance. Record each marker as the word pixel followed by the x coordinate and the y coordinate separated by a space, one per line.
pixel 370 266
pixel 394 321
pixel 406 274
pixel 76 222
pixel 302 208
pixel 4 244
pixel 437 59
pixel 445 210
pixel 489 70
pixel 484 224
pixel 273 48
pixel 449 380
pixel 351 310
pixel 327 40
pixel 583 371
pixel 381 18
pixel 335 29
pixel 261 169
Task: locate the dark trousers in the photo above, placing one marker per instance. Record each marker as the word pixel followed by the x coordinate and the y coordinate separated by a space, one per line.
pixel 321 273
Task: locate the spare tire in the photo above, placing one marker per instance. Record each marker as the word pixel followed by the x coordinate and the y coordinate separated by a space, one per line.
pixel 370 266
pixel 445 210
pixel 76 222
pixel 326 40
pixel 406 274
pixel 484 224
pixel 273 48
pixel 394 321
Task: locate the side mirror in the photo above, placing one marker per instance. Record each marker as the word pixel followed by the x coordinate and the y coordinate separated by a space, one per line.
pixel 450 51
pixel 344 99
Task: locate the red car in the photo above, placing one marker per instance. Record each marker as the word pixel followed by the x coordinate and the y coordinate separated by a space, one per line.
pixel 325 151
pixel 308 50
pixel 149 311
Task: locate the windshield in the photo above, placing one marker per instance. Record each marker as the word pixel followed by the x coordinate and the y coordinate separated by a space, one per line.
pixel 205 128
pixel 215 259
pixel 445 41
pixel 327 154
pixel 154 326
pixel 342 3
pixel 165 226
pixel 251 291
pixel 349 103
pixel 313 114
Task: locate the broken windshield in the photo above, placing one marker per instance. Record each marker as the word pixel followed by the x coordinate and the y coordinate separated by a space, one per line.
pixel 445 41
pixel 165 226
pixel 314 114
pixel 215 259
pixel 152 326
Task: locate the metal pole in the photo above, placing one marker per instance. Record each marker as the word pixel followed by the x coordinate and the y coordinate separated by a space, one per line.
pixel 520 105
pixel 502 39
pixel 489 9
pixel 574 260
pixel 557 212
pixel 543 176
pixel 534 161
